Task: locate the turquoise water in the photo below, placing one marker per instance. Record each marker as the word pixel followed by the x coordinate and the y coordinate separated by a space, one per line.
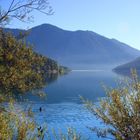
pixel 63 107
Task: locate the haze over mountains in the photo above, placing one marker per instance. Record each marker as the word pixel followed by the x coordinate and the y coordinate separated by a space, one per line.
pixel 79 49
pixel 126 68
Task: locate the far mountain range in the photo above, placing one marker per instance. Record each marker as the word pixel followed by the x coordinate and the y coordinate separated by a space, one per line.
pixel 78 49
pixel 126 69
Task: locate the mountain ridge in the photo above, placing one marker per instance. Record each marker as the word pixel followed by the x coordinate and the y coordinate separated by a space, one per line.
pixel 127 67
pixel 78 49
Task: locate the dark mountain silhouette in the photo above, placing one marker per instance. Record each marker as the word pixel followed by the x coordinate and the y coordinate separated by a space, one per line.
pixel 128 67
pixel 78 49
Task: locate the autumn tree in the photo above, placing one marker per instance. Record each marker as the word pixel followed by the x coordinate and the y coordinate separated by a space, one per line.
pixel 20 71
pixel 120 111
pixel 20 66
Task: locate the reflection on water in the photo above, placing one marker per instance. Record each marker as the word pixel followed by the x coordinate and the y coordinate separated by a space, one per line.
pixel 65 115
pixel 68 88
pixel 51 77
pixel 88 84
pixel 34 95
pixel 62 108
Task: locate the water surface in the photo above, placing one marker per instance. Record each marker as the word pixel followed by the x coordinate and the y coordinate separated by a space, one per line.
pixel 63 106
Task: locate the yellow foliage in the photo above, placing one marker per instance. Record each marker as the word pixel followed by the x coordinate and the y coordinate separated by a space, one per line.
pixel 120 111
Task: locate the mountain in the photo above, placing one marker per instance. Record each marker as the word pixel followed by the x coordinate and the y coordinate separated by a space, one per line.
pixel 126 68
pixel 78 49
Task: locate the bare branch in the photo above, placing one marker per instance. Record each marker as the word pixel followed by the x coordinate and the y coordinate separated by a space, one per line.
pixel 21 10
pixel 11 5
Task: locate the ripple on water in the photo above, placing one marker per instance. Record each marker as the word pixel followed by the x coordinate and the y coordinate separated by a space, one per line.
pixel 64 115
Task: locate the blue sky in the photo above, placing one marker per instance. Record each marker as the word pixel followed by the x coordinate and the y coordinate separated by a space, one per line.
pixel 119 19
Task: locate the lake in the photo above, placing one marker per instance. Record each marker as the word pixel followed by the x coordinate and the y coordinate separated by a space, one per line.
pixel 63 107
